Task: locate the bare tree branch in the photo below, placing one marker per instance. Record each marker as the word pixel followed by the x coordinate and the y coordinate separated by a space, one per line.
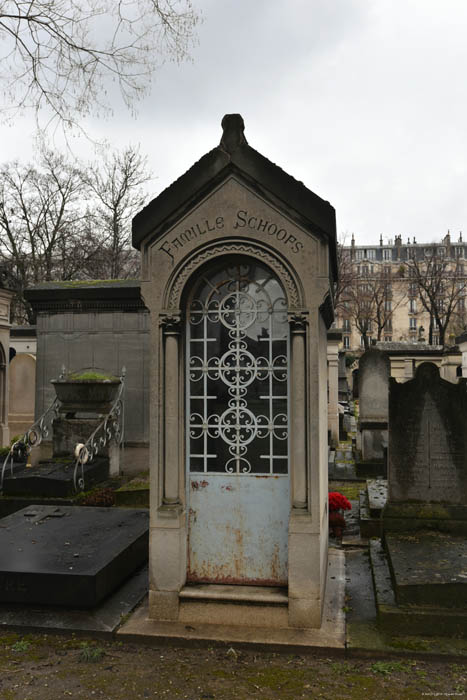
pixel 60 221
pixel 59 55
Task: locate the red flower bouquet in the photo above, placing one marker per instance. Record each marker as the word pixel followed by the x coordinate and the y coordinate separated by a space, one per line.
pixel 337 504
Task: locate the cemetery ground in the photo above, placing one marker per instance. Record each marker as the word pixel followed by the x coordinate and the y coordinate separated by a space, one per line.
pixel 46 667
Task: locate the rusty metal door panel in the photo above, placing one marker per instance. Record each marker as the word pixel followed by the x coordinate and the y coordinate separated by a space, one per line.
pixel 238 529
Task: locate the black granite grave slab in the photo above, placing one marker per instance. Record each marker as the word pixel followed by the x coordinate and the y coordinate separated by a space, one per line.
pixel 69 555
pixel 428 567
pixel 52 479
pixel 101 620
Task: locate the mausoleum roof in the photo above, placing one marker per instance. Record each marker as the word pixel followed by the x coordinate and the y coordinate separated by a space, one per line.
pixel 235 156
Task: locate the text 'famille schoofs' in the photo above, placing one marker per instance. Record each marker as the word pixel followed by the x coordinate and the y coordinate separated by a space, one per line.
pixel 244 220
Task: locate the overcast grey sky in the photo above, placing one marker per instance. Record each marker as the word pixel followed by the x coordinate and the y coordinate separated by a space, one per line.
pixel 365 101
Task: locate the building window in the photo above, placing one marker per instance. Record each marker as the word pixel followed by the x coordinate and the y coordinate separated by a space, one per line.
pixel 387 253
pixel 346 324
pixel 460 252
pixel 388 325
pixel 346 342
pixel 388 305
pixel 387 270
pixel 413 324
pixel 413 306
pixel 413 289
pixel 359 254
pixel 388 338
pixel 461 305
pixel 364 270
pixel 435 339
pixel 371 254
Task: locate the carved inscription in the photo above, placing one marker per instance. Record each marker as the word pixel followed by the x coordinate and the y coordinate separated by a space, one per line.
pixel 244 222
pixel 176 242
pixel 255 223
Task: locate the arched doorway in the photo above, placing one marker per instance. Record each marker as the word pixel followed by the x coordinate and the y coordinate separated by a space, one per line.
pixel 237 361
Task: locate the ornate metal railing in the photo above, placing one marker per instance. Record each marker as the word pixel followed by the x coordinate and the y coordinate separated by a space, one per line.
pixel 20 450
pixel 111 427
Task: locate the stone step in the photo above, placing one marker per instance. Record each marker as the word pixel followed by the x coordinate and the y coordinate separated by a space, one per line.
pixel 194 611
pixel 239 605
pixel 265 595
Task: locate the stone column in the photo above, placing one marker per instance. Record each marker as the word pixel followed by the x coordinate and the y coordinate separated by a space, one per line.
pixel 334 338
pixel 298 427
pixel 171 340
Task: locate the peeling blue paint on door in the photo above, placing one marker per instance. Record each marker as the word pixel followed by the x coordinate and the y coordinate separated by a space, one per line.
pixel 238 529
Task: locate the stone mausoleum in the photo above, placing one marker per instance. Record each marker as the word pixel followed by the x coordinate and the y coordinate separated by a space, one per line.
pixel 238 261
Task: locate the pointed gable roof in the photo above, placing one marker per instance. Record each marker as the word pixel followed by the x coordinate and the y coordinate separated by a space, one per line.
pixel 235 156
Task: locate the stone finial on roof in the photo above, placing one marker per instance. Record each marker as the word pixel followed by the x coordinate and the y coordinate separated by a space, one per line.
pixel 233 136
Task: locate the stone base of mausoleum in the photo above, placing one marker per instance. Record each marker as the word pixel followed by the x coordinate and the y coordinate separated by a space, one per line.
pixel 226 616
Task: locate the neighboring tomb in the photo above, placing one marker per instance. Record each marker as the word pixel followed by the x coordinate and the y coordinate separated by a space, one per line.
pixel 425 517
pixel 69 555
pixel 405 357
pixel 427 473
pixel 96 324
pixel 22 393
pixel 373 378
pixel 86 423
pixel 5 302
pixel 23 339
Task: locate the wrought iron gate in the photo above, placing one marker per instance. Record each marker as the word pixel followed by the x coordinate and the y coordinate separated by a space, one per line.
pixel 237 442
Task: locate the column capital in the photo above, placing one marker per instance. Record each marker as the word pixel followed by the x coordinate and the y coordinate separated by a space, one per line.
pixel 297 320
pixel 170 321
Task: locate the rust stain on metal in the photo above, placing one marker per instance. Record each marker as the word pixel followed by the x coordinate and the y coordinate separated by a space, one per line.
pixel 193 577
pixel 275 563
pixel 195 485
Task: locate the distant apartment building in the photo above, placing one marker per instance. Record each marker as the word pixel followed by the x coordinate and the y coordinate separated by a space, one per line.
pixel 380 293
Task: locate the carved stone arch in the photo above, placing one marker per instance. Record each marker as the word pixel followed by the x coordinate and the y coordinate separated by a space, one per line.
pixel 290 283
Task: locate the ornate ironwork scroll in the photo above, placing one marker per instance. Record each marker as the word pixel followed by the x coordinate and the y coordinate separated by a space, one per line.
pixel 238 343
pixel 20 450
